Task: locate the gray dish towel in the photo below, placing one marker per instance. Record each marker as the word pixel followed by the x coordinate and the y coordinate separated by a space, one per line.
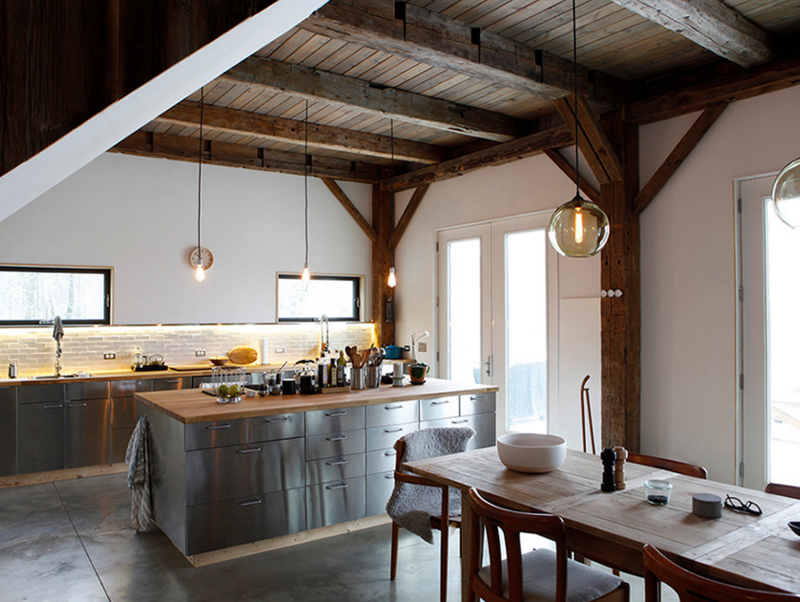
pixel 138 459
pixel 411 506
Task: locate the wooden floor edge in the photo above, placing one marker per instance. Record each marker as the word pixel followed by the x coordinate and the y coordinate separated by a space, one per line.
pixel 35 478
pixel 286 541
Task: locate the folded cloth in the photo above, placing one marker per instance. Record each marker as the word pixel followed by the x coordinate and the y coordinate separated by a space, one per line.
pixel 412 506
pixel 138 459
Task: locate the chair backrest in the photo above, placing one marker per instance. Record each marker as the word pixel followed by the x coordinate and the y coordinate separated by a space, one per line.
pixel 691 587
pixel 781 489
pixel 512 523
pixel 690 470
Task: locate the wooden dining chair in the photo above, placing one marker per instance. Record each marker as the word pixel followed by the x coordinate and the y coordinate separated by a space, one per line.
pixel 690 470
pixel 781 489
pixel 447 512
pixel 691 587
pixel 538 575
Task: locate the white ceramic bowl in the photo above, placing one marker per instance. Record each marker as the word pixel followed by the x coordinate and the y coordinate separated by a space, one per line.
pixel 531 452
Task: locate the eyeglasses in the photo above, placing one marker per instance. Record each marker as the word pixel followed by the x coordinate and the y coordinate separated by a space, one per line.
pixel 734 503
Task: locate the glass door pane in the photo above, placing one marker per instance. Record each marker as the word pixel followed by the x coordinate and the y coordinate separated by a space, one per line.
pixel 464 310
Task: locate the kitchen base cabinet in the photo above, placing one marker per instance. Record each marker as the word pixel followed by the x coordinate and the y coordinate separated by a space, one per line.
pixel 41 437
pixel 379 488
pixel 8 431
pixel 337 502
pixel 88 432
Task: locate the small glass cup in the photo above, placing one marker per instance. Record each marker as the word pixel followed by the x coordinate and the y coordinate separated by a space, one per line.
pixel 657 492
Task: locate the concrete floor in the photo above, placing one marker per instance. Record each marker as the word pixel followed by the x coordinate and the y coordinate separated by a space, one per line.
pixel 72 541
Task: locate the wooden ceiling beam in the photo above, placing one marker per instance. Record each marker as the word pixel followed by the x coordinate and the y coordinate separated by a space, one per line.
pixel 184 148
pixel 777 75
pixel 711 25
pixel 289 130
pixel 676 157
pixel 416 33
pixel 561 162
pixel 527 146
pixel 350 92
pixel 408 213
pixel 350 207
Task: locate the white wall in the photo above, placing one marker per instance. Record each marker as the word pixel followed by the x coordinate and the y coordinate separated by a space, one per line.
pixel 688 276
pixel 139 216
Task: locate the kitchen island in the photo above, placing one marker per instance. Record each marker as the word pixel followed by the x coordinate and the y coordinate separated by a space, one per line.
pixel 226 475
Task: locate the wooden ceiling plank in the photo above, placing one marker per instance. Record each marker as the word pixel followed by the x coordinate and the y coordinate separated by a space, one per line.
pixel 388 102
pixel 181 148
pixel 291 130
pixel 445 42
pixel 561 162
pixel 498 154
pixel 408 213
pixel 711 25
pixel 671 164
pixel 348 205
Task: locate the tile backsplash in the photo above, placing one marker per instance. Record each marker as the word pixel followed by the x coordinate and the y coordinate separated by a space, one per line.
pixel 83 347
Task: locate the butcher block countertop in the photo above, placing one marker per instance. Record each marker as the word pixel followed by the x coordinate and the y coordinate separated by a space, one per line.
pixel 192 405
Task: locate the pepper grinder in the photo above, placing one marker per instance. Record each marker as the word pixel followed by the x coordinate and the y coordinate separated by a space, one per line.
pixel 608 457
pixel 619 467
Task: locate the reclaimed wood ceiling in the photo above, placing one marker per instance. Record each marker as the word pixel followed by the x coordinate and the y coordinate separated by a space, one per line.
pixel 466 83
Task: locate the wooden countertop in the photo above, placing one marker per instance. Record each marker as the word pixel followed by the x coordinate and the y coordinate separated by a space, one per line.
pixel 192 405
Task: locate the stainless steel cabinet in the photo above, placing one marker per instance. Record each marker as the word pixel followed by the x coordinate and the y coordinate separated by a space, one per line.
pixel 40 444
pixel 441 407
pixel 381 460
pixel 334 469
pixel 336 420
pixel 335 502
pixel 482 422
pixel 392 413
pixel 379 488
pixel 335 444
pixel 88 432
pixel 8 431
pixel 279 426
pixel 204 435
pixel 123 413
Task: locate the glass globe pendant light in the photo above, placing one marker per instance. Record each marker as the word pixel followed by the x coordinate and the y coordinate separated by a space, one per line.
pixel 786 194
pixel 200 270
pixel 391 282
pixel 578 228
pixel 306 276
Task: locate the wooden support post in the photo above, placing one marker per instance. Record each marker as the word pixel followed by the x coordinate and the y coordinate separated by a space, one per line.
pixel 620 316
pixel 382 224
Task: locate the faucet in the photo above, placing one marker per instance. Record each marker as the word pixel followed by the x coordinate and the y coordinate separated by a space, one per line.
pixel 58 334
pixel 324 341
pixel 414 340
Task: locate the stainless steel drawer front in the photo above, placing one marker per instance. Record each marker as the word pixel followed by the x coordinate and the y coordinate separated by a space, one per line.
pixel 484 425
pixel 336 420
pixel 171 384
pixel 331 503
pixel 41 436
pixel 335 469
pixel 441 407
pixel 383 437
pixel 244 520
pixel 280 426
pixel 477 403
pixel 219 433
pixel 379 488
pixel 123 412
pixel 126 388
pixel 392 413
pixel 381 460
pixel 335 444
pixel 39 393
pixel 232 472
pixel 88 390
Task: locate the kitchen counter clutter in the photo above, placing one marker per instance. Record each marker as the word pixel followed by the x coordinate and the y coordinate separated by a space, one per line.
pixel 225 475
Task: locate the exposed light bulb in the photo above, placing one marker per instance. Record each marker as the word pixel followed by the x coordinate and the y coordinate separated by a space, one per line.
pixel 306 274
pixel 392 279
pixel 200 273
pixel 578 225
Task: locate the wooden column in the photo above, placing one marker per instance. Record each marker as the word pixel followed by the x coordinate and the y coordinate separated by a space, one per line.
pixel 620 316
pixel 382 224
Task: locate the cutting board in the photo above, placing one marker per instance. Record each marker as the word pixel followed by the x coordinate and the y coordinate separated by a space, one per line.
pixel 242 355
pixel 191 368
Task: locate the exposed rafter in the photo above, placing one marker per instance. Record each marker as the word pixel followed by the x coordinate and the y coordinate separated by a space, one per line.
pixel 422 35
pixel 408 213
pixel 289 130
pixel 560 161
pixel 184 148
pixel 710 24
pixel 343 91
pixel 350 207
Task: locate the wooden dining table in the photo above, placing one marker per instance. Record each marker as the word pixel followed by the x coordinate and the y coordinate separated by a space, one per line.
pixel 611 528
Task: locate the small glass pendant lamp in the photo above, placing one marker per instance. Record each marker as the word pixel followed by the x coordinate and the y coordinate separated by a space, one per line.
pixel 786 194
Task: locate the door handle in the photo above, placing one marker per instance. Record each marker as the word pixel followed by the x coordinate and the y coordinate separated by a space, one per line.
pixel 488 364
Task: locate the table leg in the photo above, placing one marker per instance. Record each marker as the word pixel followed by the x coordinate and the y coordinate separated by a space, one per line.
pixel 467 559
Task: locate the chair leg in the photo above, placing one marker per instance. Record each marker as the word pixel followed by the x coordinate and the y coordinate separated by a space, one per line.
pixel 443 569
pixel 395 536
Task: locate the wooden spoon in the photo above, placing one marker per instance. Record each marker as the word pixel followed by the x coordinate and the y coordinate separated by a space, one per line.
pixel 365 356
pixel 352 353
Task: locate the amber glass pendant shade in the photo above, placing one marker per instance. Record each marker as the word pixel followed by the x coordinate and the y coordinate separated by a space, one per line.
pixel 786 194
pixel 578 228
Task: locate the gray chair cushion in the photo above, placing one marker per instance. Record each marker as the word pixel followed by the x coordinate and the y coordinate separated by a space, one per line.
pixel 584 583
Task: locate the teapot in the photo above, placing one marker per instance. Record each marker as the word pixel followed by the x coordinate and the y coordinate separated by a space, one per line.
pixel 306 375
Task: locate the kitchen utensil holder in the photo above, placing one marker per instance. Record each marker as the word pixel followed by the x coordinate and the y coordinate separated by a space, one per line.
pixel 373 377
pixel 357 378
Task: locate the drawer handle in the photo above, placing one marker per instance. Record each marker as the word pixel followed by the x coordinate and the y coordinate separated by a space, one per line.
pixel 77 404
pixel 338 462
pixel 218 427
pixel 388 477
pixel 399 429
pixel 337 413
pixel 439 403
pixel 397 407
pixel 172 381
pixel 459 421
pixel 390 453
pixel 277 419
pixel 337 438
pixel 341 486
pixel 249 450
pixel 254 502
pixel 53 406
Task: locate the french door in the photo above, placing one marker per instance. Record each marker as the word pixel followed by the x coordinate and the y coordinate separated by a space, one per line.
pixel 497 300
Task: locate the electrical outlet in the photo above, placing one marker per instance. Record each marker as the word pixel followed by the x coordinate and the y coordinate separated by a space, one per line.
pixel 109 356
pixel 423 347
pixel 279 350
pixel 199 352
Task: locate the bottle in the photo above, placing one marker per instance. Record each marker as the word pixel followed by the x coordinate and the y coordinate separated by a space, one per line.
pixel 340 372
pixel 334 371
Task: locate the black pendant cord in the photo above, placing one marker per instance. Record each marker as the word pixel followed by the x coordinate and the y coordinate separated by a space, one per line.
pixel 305 183
pixel 575 92
pixel 200 177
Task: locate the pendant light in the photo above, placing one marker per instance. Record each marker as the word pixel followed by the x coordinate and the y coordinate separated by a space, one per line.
pixel 578 228
pixel 786 194
pixel 306 277
pixel 200 270
pixel 392 282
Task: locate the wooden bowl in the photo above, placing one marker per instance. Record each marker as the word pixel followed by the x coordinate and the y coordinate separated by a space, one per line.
pixel 218 361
